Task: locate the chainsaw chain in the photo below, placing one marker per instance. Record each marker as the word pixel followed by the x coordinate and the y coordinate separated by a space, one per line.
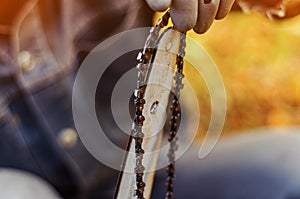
pixel 144 59
pixel 175 119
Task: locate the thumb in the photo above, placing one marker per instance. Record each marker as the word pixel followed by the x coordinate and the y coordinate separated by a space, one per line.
pixel 184 14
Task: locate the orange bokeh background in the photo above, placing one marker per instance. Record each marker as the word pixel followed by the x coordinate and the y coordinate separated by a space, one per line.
pixel 259 61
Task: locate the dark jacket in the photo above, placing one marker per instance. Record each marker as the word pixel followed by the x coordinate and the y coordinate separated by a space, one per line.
pixel 42 43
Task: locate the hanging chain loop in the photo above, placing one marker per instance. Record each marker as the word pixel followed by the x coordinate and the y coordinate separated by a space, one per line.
pixel 144 58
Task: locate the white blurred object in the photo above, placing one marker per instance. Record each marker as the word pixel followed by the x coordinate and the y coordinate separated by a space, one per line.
pixel 16 184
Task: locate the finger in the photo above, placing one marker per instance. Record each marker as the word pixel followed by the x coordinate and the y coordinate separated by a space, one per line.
pixel 224 8
pixel 159 5
pixel 184 14
pixel 207 12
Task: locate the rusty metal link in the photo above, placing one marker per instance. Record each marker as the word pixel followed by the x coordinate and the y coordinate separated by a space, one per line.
pixel 175 119
pixel 144 59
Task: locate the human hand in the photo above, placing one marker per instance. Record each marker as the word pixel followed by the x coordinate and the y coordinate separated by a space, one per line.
pixel 193 14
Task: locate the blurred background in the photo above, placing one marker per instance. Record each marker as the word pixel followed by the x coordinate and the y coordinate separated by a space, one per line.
pixel 258 59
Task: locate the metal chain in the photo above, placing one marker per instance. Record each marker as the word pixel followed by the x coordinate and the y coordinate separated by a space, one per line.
pixel 144 59
pixel 175 119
